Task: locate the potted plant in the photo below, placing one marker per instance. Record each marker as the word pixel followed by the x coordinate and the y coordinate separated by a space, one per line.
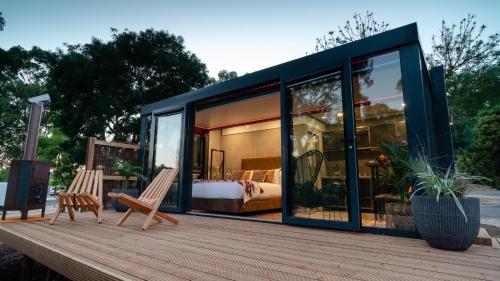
pixel 444 217
pixel 126 170
pixel 395 172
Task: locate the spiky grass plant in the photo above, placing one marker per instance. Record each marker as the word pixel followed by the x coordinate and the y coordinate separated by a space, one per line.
pixel 441 184
pixel 126 170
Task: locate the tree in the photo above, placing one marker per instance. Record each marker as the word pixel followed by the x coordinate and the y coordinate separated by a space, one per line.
pixel 22 75
pixel 50 149
pixel 474 90
pixel 485 153
pixel 462 48
pixel 97 88
pixel 223 75
pixel 362 27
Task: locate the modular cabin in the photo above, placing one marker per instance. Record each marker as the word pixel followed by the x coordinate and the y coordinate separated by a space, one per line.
pixel 304 142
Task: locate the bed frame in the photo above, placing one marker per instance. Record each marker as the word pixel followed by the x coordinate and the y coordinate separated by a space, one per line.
pixel 236 206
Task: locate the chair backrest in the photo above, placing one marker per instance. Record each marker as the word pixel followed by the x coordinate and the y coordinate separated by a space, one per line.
pixel 307 167
pixel 160 185
pixel 87 181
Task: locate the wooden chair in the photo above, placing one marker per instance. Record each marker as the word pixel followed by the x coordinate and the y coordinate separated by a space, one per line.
pixel 85 193
pixel 150 200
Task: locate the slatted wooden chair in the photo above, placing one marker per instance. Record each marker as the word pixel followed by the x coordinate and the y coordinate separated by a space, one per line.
pixel 84 193
pixel 150 200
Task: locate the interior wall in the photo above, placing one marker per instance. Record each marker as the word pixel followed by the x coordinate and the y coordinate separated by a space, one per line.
pixel 241 144
pixel 264 143
pixel 214 142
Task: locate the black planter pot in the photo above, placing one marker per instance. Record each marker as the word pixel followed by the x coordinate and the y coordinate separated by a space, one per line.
pixel 442 224
pixel 119 207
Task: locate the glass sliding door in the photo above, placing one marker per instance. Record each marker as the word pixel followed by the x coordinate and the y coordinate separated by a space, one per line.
pixel 318 184
pixel 167 152
pixel 382 150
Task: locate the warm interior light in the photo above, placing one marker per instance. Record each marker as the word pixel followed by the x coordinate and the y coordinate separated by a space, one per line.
pixel 340 114
pixel 403 104
pixel 323 117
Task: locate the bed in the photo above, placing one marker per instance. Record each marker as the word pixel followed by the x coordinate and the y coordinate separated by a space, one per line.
pixel 227 196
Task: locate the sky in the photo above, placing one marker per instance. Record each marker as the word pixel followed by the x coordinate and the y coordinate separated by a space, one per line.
pixel 243 36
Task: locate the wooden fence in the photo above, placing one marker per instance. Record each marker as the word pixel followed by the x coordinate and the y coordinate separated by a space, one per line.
pixel 99 155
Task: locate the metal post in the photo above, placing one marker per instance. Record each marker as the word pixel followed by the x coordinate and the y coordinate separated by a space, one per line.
pixel 33 131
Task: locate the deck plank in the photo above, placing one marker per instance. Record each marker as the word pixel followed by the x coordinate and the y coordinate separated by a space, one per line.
pixel 203 248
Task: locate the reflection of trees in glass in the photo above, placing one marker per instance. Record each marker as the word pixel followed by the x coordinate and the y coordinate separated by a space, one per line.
pixel 363 80
pixel 157 169
pixel 317 94
pixel 379 110
pixel 399 85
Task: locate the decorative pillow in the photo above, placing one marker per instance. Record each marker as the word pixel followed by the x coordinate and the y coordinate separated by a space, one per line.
pixel 269 176
pixel 259 175
pixel 237 175
pixel 277 176
pixel 247 175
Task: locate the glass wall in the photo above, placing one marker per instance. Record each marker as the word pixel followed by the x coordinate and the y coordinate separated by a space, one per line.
pixel 318 167
pixel 382 149
pixel 167 151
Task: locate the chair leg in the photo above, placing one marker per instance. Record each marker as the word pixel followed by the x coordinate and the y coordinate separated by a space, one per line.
pixel 99 214
pixel 167 217
pixel 147 222
pixel 54 217
pixel 69 205
pixel 124 217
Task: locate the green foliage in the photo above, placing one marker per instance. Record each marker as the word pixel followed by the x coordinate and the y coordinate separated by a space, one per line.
pixel 22 75
pixel 4 174
pixel 471 61
pixel 361 27
pixel 126 170
pixel 223 75
pixel 460 48
pixel 436 184
pixel 97 88
pixel 395 169
pixel 49 146
pixel 484 157
pixel 474 90
pixel 50 149
pixel 64 171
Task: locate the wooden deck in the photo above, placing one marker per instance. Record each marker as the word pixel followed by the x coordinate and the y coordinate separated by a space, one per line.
pixel 202 248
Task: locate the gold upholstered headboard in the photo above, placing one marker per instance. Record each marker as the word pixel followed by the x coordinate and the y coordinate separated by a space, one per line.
pixel 263 163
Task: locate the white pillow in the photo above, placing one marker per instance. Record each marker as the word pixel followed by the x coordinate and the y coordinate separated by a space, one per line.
pixel 277 176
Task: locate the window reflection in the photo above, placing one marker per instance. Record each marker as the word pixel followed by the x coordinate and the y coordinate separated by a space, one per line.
pixel 318 157
pixel 167 151
pixel 381 135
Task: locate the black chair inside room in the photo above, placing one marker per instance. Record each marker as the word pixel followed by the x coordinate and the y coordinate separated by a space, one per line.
pixel 307 167
pixel 334 198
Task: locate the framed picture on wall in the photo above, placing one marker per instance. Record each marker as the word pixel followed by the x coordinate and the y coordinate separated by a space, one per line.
pixel 216 164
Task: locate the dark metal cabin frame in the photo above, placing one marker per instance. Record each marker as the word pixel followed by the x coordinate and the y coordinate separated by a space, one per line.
pixel 424 95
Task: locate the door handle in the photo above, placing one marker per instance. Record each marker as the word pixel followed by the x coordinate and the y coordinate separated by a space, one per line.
pixel 350 144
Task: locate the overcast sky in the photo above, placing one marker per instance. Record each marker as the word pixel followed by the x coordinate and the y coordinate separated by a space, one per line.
pixel 244 36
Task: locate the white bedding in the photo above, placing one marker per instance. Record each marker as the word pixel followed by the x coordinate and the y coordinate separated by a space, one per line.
pixel 231 190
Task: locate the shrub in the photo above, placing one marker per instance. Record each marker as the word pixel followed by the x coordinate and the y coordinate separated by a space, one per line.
pixel 484 157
